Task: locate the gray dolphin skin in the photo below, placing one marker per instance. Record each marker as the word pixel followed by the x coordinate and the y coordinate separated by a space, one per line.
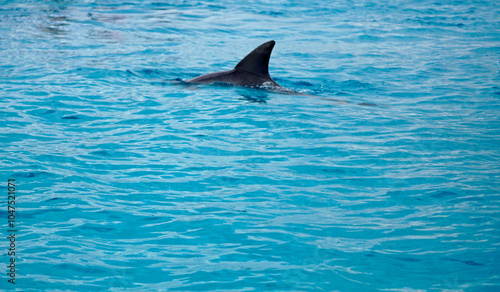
pixel 253 70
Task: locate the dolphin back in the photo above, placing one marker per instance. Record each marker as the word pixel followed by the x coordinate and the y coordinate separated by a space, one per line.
pixel 253 70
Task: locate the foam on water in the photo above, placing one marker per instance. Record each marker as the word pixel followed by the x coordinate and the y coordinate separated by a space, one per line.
pixel 129 181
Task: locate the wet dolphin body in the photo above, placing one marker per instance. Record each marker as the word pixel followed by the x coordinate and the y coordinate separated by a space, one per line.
pixel 253 70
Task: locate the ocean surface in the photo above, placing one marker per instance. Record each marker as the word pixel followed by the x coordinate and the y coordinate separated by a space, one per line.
pixel 128 179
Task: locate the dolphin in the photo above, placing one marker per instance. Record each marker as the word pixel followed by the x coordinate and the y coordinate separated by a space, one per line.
pixel 252 71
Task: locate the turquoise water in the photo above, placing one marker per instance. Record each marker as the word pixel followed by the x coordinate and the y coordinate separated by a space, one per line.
pixel 127 180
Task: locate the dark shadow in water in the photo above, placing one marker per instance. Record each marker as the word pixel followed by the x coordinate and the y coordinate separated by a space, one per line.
pixel 260 98
pixel 57 18
pixel 467 262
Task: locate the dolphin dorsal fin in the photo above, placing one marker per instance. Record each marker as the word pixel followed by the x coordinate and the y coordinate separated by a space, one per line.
pixel 257 62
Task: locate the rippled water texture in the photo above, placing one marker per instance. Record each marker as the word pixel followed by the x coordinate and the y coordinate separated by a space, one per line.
pixel 129 180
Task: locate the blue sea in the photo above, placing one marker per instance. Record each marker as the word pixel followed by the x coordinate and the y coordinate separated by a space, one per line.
pixel 128 179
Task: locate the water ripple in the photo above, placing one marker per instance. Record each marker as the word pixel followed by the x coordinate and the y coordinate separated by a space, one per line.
pixel 129 179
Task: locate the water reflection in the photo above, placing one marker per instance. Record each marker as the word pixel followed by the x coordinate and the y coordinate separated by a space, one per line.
pixel 253 96
pixel 56 25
